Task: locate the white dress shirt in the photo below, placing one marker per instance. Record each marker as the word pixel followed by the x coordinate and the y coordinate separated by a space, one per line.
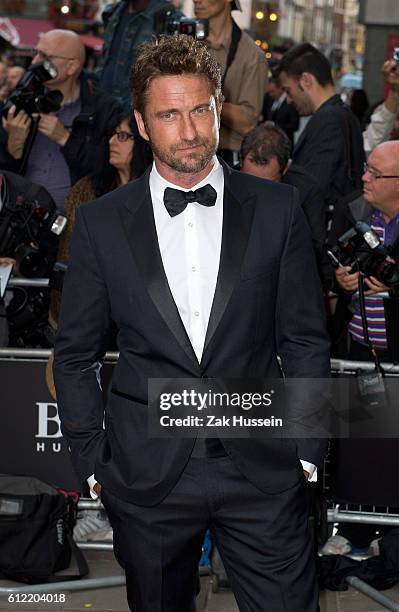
pixel 190 245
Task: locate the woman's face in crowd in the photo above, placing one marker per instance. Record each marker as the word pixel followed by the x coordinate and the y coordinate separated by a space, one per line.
pixel 121 146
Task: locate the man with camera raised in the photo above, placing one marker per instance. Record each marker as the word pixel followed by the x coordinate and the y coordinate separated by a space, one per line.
pixel 71 142
pixel 378 206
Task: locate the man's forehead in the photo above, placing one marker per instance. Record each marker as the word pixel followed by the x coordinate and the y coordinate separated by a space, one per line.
pixel 180 90
pixel 51 43
pixel 381 159
pixel 184 83
pixel 287 80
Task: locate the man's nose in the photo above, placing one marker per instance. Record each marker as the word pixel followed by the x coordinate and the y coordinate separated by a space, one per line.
pixel 189 130
pixel 366 176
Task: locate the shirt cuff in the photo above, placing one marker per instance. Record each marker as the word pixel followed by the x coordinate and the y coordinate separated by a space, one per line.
pixel 311 468
pixel 91 481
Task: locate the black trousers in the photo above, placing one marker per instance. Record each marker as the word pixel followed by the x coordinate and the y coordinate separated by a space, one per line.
pixel 264 541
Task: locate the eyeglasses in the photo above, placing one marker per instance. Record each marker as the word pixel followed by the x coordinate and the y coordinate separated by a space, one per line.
pixel 123 136
pixel 43 56
pixel 376 175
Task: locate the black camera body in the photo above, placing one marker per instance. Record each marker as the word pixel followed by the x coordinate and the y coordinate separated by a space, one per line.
pixel 31 95
pixel 29 224
pixel 360 248
pixel 170 21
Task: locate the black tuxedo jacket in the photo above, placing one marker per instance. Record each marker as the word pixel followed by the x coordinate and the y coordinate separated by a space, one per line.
pixel 267 303
pixel 331 149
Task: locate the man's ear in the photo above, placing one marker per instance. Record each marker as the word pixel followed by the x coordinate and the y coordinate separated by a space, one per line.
pixel 307 80
pixel 74 68
pixel 141 125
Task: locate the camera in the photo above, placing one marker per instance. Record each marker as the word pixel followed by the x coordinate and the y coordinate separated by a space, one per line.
pixel 29 225
pixel 170 21
pixel 31 95
pixel 395 55
pixel 360 248
pixel 27 318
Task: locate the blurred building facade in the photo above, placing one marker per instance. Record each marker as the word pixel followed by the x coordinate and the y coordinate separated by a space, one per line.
pixel 332 25
pixel 381 20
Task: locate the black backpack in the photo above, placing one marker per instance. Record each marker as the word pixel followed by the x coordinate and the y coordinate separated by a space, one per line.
pixel 36 523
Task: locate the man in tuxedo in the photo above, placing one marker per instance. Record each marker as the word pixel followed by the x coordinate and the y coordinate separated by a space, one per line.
pixel 277 109
pixel 179 260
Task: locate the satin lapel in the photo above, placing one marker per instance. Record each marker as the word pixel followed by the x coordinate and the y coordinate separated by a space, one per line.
pixel 139 226
pixel 237 222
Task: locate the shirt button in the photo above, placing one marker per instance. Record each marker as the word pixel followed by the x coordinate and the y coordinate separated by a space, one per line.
pixel 191 224
pixel 196 313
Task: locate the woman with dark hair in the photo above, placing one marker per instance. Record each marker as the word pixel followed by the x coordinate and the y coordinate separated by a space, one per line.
pixel 129 157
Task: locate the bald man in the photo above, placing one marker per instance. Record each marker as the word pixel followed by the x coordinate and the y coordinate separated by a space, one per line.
pixel 378 206
pixel 73 142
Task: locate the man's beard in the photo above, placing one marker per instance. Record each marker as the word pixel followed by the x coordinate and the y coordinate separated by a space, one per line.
pixel 304 109
pixel 193 162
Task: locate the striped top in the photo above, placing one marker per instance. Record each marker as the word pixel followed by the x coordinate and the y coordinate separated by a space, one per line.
pixel 374 304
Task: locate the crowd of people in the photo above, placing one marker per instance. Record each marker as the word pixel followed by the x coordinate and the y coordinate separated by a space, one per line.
pixel 344 166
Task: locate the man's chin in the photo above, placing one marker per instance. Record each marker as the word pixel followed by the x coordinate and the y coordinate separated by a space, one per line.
pixel 367 196
pixel 191 163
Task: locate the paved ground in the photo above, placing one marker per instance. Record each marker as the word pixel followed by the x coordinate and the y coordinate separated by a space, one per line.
pixel 113 599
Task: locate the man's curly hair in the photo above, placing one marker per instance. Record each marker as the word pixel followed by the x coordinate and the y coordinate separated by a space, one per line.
pixel 168 56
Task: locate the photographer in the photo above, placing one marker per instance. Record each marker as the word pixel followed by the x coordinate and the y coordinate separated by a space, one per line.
pixel 29 232
pixel 71 142
pixel 244 71
pixel 378 206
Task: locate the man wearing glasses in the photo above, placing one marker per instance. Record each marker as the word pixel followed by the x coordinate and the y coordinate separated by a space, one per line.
pixel 378 206
pixel 73 142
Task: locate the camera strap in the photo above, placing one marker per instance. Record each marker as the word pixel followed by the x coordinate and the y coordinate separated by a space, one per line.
pixel 235 40
pixel 370 383
pixel 362 306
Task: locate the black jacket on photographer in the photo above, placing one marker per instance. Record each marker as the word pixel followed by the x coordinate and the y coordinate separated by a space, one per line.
pixel 87 147
pixel 346 213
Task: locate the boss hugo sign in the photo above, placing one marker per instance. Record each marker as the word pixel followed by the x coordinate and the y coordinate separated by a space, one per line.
pixel 31 441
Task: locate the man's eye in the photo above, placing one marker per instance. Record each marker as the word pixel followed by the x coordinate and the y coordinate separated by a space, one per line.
pixel 202 110
pixel 167 116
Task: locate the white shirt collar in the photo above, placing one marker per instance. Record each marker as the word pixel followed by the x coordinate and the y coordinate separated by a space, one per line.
pixel 215 178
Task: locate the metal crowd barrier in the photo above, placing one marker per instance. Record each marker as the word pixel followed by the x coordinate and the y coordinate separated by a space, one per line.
pixel 338 513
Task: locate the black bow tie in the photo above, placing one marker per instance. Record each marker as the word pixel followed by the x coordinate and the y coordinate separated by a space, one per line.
pixel 176 200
